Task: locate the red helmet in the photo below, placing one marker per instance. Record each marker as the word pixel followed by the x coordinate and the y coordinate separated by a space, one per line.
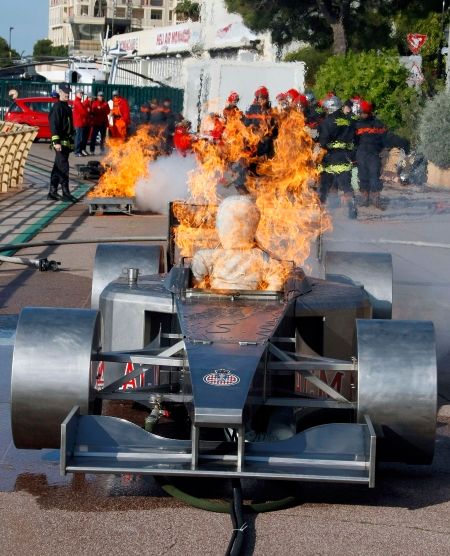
pixel 262 92
pixel 366 106
pixel 302 100
pixel 292 94
pixel 281 96
pixel 233 97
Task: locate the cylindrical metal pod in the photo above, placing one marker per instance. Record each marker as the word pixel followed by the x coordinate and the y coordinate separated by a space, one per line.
pixel 111 259
pixel 397 387
pixel 51 372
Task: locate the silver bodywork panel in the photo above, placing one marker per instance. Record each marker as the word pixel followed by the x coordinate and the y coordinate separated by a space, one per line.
pixel 223 355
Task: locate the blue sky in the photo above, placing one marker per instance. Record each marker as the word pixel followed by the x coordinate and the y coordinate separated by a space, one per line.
pixel 29 19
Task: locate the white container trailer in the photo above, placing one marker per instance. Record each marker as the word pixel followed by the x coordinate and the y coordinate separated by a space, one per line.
pixel 209 82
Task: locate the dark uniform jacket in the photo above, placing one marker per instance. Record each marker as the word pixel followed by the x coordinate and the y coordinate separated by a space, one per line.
pixel 257 117
pixel 337 132
pixel 61 124
pixel 337 136
pixel 372 137
pixel 314 115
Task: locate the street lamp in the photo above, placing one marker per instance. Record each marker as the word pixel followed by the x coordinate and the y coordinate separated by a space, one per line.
pixel 10 29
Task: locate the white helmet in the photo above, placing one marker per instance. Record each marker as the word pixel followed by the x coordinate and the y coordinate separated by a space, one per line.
pixel 332 104
pixel 310 97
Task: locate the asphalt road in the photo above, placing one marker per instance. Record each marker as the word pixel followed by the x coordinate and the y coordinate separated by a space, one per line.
pixel 407 513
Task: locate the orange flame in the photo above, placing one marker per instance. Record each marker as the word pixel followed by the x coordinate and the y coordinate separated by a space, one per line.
pixel 282 188
pixel 126 162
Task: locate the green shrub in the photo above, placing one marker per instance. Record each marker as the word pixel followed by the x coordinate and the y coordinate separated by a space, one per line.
pixel 313 59
pixel 377 76
pixel 434 130
pixel 410 119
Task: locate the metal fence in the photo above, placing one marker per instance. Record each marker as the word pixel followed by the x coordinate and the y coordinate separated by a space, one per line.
pixel 136 96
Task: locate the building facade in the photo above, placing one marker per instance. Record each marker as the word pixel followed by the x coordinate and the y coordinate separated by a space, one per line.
pixel 79 24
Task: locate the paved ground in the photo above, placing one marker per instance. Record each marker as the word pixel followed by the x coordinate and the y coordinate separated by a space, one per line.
pixel 42 513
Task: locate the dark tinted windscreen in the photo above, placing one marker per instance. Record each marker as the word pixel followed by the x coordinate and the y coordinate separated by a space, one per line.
pixel 40 106
pixel 15 108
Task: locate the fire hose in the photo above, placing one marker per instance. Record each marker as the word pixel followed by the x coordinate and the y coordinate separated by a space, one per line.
pixel 41 264
pixel 44 264
pixel 236 508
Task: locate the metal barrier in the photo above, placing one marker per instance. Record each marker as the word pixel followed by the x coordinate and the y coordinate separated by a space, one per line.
pixel 15 143
pixel 136 96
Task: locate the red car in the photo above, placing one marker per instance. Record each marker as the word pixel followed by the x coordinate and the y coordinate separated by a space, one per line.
pixel 32 111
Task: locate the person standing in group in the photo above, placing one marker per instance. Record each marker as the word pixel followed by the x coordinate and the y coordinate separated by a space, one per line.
pixel 261 119
pixel 337 136
pixel 231 109
pixel 62 130
pixel 171 119
pixel 99 113
pixel 162 124
pixel 121 117
pixel 146 110
pixel 13 95
pixel 81 122
pixel 182 138
pixel 372 137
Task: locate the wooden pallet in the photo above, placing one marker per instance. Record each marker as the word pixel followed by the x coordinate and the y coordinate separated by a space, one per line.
pixel 15 144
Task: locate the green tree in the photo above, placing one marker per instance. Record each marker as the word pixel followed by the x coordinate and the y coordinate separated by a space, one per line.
pixel 43 49
pixel 319 22
pixel 7 55
pixel 358 25
pixel 188 10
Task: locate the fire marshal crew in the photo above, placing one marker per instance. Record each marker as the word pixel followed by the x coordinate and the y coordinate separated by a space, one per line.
pixel 261 118
pixel 371 137
pixel 337 136
pixel 231 109
pixel 121 117
pixel 62 130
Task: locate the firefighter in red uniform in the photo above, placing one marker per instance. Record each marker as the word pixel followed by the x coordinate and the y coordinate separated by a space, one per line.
pixel 99 112
pixel 121 117
pixel 231 110
pixel 296 100
pixel 81 122
pixel 182 138
pixel 261 118
pixel 283 103
pixel 218 127
pixel 371 137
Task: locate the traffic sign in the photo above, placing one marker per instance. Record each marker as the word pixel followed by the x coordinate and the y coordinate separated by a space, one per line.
pixel 415 41
pixel 415 75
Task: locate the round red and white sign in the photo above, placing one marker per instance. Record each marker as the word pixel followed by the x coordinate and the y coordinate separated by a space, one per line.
pixel 221 377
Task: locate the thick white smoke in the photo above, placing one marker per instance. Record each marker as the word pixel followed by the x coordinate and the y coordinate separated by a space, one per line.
pixel 167 181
